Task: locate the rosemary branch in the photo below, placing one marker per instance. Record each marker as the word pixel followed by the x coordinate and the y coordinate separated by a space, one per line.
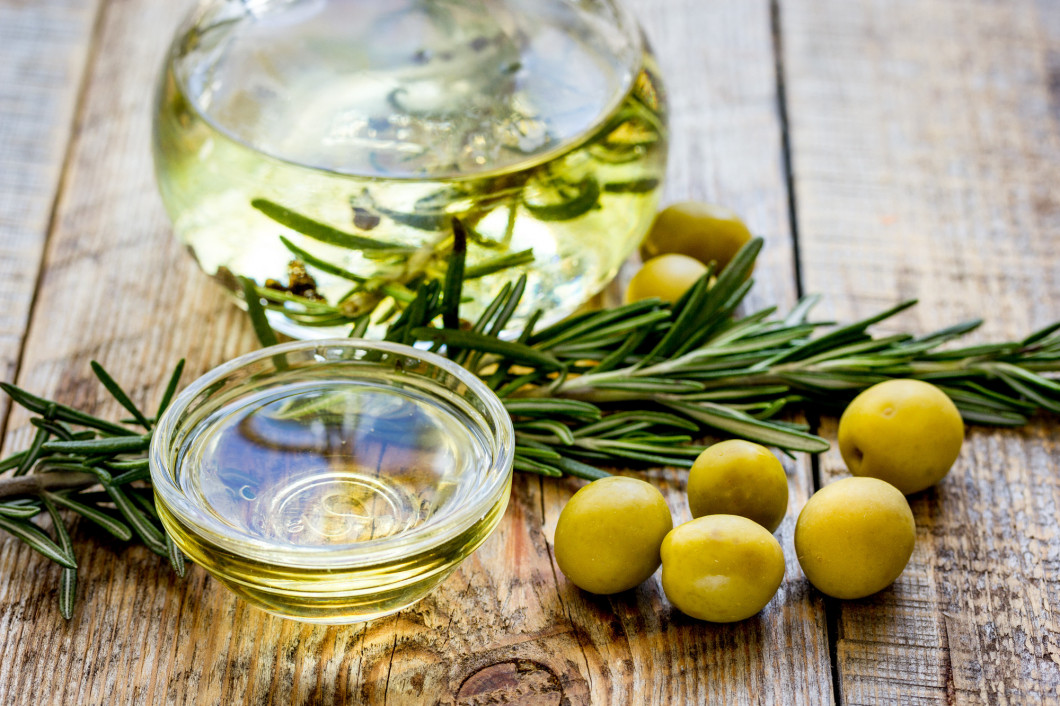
pixel 630 386
pixel 63 465
pixel 635 384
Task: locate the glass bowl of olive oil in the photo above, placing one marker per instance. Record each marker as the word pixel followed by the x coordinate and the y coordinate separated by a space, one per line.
pixel 333 481
pixel 541 124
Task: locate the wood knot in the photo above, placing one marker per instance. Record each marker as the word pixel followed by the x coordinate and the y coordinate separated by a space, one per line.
pixel 514 681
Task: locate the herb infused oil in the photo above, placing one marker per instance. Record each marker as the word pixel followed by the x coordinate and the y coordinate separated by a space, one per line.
pixel 541 124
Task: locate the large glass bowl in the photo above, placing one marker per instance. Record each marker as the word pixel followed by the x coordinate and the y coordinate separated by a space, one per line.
pixel 332 481
pixel 310 145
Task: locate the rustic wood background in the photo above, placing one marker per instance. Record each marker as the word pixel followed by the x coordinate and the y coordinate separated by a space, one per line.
pixel 885 149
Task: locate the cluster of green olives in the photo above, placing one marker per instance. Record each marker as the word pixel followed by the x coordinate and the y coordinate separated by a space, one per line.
pixel 725 565
pixel 683 240
pixel 853 537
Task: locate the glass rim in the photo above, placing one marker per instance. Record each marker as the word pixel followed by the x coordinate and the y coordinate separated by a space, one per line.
pixel 217 534
pixel 625 22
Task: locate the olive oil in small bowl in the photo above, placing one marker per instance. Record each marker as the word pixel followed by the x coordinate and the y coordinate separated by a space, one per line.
pixel 333 481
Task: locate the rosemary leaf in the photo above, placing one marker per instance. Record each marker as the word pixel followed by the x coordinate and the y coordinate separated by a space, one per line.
pixel 322 265
pixel 531 407
pixel 62 412
pixel 60 527
pixel 594 323
pixel 56 430
pixel 982 415
pixel 101 518
pixel 68 576
pixel 35 538
pixel 1040 335
pixel 176 557
pixel 130 476
pixel 560 431
pixel 799 313
pixel 119 395
pixel 747 427
pixel 1032 393
pixel 14 460
pixel 587 194
pixel 144 497
pixel 538 452
pixel 67 592
pixel 529 465
pixel 171 387
pixel 498 264
pixel 262 329
pixel 686 311
pixel 470 340
pixel 452 287
pixel 505 314
pixel 578 469
pixel 144 527
pixel 33 453
pixel 320 231
pixel 112 445
pixel 20 511
pixel 650 384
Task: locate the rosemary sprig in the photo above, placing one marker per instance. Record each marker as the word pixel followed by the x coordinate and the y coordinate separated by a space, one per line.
pixel 680 371
pixel 399 269
pixel 630 386
pixel 63 465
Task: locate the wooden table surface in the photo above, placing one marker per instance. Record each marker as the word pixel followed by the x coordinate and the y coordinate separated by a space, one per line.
pixel 885 150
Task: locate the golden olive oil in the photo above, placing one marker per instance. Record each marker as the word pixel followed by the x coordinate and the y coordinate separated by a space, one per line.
pixel 543 132
pixel 300 473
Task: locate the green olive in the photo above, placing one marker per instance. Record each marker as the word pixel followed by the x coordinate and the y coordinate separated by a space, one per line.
pixel 703 231
pixel 738 477
pixel 721 568
pixel 905 432
pixel 854 537
pixel 666 277
pixel 608 534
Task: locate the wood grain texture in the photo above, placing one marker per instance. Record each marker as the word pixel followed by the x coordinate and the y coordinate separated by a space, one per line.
pixel 926 152
pixel 507 626
pixel 717 58
pixel 43 50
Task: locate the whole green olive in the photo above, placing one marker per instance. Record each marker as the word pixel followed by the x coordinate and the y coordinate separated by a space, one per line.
pixel 666 277
pixel 703 231
pixel 738 477
pixel 854 537
pixel 721 568
pixel 609 533
pixel 906 432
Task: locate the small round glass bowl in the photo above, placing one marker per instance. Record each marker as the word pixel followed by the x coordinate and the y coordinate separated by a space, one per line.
pixel 333 481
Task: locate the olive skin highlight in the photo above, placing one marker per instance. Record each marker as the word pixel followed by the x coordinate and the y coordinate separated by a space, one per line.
pixel 854 537
pixel 706 232
pixel 738 477
pixel 721 568
pixel 609 533
pixel 905 432
pixel 667 277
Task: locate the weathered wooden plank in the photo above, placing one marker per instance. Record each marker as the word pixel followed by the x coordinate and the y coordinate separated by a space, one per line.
pixel 718 60
pixel 926 151
pixel 506 625
pixel 43 48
